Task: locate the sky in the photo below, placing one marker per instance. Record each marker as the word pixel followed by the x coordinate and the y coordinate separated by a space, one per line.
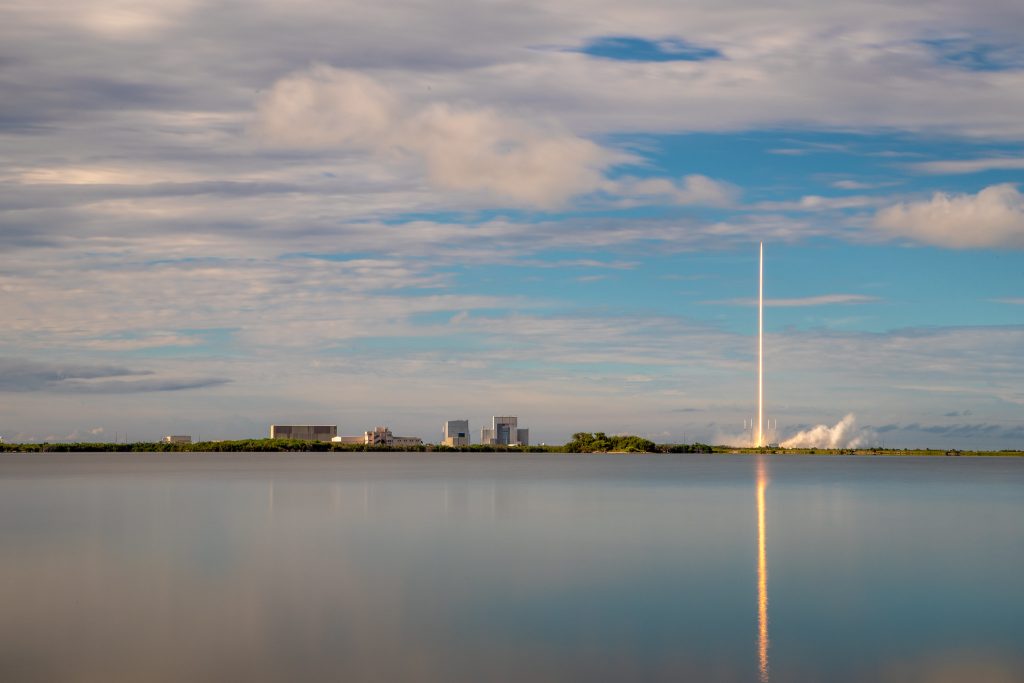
pixel 215 216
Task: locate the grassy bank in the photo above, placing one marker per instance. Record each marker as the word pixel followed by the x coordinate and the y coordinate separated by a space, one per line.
pixel 249 446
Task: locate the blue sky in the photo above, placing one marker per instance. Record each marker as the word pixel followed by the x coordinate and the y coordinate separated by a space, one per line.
pixel 212 220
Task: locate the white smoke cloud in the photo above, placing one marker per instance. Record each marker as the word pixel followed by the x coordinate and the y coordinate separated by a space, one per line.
pixel 844 434
pixel 992 218
pixel 462 148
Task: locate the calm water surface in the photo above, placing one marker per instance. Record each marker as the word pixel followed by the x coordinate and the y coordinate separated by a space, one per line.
pixel 421 567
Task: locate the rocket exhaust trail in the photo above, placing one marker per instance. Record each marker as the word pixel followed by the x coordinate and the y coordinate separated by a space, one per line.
pixel 759 440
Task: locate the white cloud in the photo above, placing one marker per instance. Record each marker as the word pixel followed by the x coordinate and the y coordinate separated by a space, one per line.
pixel 969 165
pixel 852 185
pixel 328 107
pixel 474 149
pixel 844 434
pixel 994 217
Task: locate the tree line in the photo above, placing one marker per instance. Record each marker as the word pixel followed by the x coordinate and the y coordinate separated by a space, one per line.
pixel 582 442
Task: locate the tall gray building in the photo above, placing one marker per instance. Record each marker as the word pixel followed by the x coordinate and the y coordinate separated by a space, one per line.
pixel 456 433
pixel 504 431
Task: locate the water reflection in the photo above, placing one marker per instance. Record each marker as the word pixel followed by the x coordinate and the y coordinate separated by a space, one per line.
pixel 597 568
pixel 762 576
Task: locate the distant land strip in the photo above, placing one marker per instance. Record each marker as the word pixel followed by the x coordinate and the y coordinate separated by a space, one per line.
pixel 581 443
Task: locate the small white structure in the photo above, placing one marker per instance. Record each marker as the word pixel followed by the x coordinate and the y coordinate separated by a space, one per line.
pixel 178 438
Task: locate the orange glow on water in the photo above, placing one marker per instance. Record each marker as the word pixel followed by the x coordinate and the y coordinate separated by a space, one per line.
pixel 762 576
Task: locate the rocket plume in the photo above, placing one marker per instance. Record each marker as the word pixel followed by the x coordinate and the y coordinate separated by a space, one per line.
pixel 759 437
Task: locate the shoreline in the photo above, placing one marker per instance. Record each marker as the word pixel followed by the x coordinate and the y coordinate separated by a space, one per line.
pixel 283 446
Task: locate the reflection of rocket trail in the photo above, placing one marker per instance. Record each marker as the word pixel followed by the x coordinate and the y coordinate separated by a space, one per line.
pixel 762 577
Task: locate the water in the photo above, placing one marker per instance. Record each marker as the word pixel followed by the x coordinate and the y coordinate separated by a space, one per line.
pixel 422 567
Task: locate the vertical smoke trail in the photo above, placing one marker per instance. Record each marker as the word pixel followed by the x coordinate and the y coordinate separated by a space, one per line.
pixel 759 441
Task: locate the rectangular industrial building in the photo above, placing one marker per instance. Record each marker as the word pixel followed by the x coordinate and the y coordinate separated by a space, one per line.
pixel 505 431
pixel 380 436
pixel 304 432
pixel 456 433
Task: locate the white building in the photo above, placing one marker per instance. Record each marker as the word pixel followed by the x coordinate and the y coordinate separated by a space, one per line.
pixel 380 436
pixel 456 433
pixel 178 438
pixel 505 431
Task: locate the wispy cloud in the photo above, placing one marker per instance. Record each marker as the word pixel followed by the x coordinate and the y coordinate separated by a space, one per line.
pixel 857 185
pixel 20 375
pixel 693 189
pixel 820 300
pixel 958 166
pixel 819 203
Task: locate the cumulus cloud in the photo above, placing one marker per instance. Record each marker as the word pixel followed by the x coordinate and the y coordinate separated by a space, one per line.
pixel 994 217
pixel 843 434
pixel 473 149
pixel 328 107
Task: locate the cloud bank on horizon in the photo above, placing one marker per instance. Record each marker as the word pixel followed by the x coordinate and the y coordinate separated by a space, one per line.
pixel 218 217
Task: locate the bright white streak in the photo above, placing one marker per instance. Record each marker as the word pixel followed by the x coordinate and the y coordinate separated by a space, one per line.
pixel 762 576
pixel 759 441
